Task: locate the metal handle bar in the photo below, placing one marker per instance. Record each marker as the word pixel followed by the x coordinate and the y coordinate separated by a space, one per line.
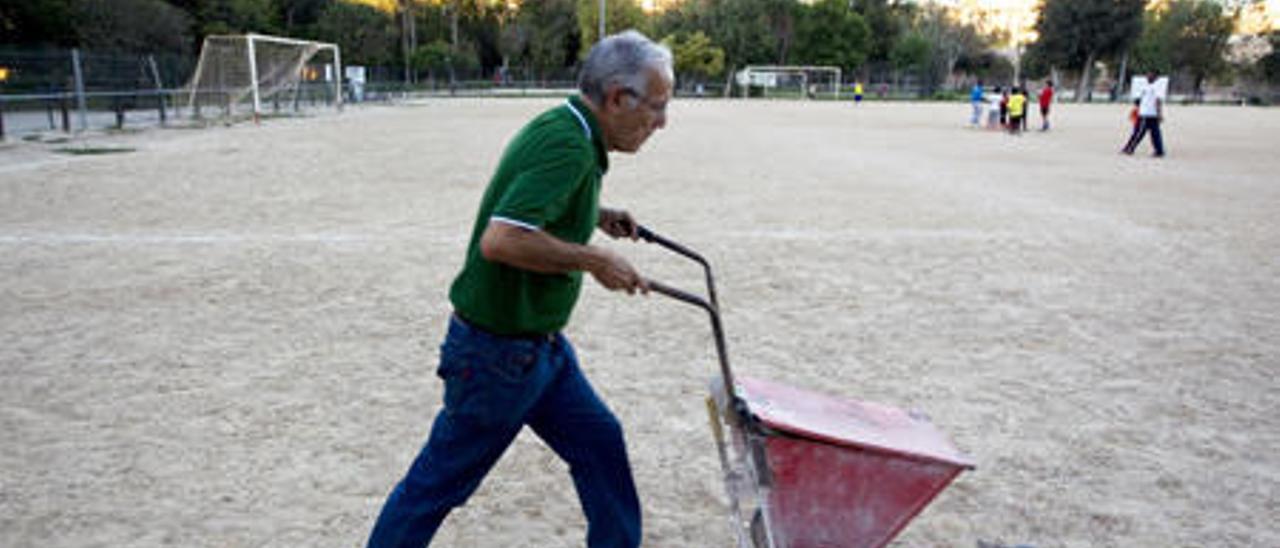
pixel 736 404
pixel 649 236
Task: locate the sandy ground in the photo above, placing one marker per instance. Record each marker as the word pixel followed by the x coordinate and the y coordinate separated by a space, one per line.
pixel 228 337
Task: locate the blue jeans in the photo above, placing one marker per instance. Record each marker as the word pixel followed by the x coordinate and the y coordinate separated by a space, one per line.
pixel 493 386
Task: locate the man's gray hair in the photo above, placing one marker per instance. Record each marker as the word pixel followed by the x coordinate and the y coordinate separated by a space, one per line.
pixel 621 60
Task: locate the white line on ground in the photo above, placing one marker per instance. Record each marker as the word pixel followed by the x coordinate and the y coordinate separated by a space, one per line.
pixel 182 238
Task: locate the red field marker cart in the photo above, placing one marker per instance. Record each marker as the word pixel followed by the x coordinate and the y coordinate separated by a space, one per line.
pixel 807 470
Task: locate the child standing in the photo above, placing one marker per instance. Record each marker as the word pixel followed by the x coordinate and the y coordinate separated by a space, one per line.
pixel 1017 107
pixel 993 109
pixel 976 100
pixel 1046 101
pixel 1004 108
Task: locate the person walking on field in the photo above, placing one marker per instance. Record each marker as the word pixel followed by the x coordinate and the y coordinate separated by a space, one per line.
pixel 504 362
pixel 1150 114
pixel 1046 100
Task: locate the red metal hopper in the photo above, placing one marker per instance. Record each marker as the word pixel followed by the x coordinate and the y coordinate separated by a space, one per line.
pixel 845 473
pixel 804 469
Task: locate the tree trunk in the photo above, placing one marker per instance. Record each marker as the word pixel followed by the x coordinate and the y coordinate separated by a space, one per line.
pixel 1123 77
pixel 1085 72
pixel 454 26
pixel 951 68
pixel 453 47
pixel 404 39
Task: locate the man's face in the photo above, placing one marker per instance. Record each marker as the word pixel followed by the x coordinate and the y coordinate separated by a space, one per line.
pixel 633 116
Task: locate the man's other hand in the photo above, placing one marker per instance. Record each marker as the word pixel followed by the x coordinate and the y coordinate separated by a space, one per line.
pixel 617 223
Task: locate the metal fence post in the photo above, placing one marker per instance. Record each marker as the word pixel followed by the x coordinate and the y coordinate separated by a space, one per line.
pixel 155 75
pixel 66 113
pixel 118 105
pixel 48 109
pixel 80 99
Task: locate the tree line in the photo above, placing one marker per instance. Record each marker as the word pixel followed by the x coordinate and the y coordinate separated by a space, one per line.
pixel 1194 40
pixel 545 39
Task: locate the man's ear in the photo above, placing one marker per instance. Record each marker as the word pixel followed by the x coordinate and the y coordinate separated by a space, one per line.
pixel 615 99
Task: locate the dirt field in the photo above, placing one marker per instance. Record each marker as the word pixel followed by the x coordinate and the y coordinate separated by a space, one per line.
pixel 228 337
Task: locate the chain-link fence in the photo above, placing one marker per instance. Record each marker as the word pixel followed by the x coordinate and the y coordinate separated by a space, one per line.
pixel 70 90
pixel 55 90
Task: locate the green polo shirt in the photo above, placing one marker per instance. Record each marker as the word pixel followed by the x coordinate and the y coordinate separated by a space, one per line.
pixel 549 180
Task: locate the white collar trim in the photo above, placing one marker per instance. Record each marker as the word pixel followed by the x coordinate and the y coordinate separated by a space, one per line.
pixel 581 120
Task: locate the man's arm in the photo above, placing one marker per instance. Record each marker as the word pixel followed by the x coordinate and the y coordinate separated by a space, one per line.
pixel 538 251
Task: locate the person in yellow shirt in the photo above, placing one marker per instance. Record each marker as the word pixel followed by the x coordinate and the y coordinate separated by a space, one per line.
pixel 1017 109
pixel 857 92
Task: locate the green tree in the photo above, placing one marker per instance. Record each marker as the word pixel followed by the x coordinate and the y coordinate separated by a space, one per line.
pixel 950 40
pixel 888 20
pixel 236 17
pixel 435 57
pixel 911 54
pixel 139 26
pixel 513 42
pixel 1269 65
pixel 553 34
pixel 683 17
pixel 1077 33
pixel 483 26
pixel 1189 36
pixel 990 66
pixel 750 31
pixel 296 17
pixel 619 15
pixel 366 35
pixel 36 22
pixel 696 58
pixel 832 34
pixel 440 56
pixel 741 27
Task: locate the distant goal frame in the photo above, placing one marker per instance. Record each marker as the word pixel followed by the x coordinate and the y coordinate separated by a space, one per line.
pixel 837 80
pixel 255 78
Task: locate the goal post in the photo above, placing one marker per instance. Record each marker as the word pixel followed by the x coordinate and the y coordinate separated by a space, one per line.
pixel 255 68
pixel 786 80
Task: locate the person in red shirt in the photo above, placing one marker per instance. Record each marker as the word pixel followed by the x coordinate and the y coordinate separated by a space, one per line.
pixel 1046 99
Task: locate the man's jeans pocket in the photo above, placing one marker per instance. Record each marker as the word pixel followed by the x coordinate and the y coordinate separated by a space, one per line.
pixel 488 387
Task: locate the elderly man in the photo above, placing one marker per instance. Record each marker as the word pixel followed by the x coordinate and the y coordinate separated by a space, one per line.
pixel 504 362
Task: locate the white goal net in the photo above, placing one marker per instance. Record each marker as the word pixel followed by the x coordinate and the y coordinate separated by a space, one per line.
pixel 250 72
pixel 805 82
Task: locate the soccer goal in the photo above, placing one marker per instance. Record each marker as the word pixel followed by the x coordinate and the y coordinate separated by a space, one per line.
pixel 253 70
pixel 787 81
